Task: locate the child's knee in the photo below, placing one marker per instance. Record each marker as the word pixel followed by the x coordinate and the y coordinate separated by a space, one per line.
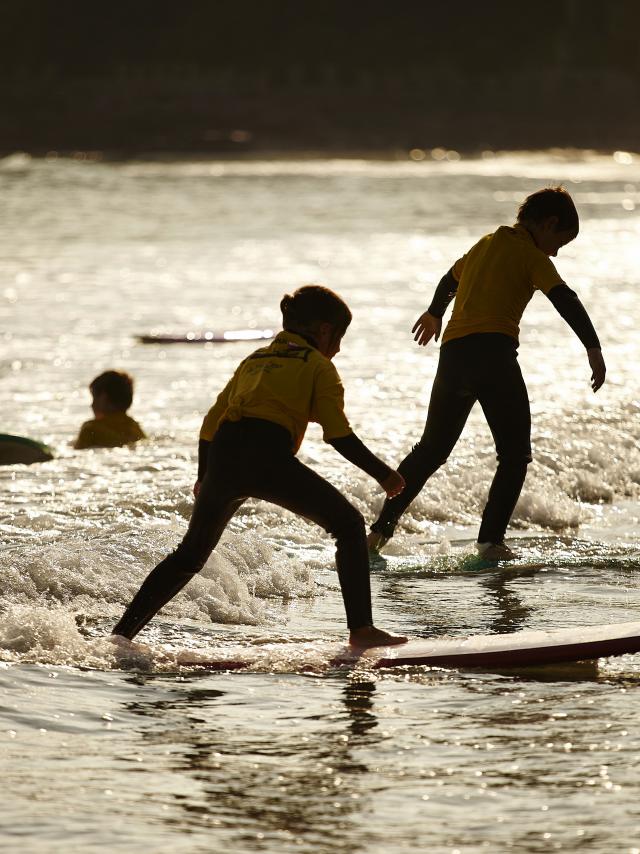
pixel 514 458
pixel 426 455
pixel 349 523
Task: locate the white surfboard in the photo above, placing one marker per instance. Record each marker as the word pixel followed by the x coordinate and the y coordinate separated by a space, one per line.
pixel 519 649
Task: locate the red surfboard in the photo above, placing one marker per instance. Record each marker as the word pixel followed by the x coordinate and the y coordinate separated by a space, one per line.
pixel 526 648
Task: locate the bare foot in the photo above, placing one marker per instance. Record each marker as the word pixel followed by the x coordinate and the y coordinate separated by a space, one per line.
pixel 370 636
pixel 127 645
pixel 119 640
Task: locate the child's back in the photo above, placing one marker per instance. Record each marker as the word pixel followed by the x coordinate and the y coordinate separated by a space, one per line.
pixel 497 278
pixel 288 382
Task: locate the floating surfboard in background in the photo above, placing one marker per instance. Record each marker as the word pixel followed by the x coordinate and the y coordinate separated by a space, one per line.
pixel 20 449
pixel 207 336
pixel 520 649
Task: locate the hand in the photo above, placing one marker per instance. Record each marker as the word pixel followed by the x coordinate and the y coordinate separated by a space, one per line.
pixel 426 327
pixel 196 488
pixel 393 484
pixel 598 367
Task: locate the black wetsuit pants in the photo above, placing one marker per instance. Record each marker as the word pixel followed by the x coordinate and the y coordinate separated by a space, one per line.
pixel 482 367
pixel 253 458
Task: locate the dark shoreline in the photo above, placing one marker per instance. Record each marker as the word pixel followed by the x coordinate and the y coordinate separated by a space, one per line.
pixel 149 113
pixel 255 155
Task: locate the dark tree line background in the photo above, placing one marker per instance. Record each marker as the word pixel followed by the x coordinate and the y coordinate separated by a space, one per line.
pixel 254 75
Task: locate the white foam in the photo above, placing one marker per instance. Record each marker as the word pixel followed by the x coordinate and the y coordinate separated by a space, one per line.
pixel 33 633
pixel 97 578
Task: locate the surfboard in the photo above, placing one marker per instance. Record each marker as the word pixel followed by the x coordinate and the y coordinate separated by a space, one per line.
pixel 520 649
pixel 21 449
pixel 208 336
pixel 474 564
pixel 455 563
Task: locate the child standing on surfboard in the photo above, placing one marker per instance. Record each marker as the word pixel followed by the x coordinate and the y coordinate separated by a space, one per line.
pixel 492 285
pixel 247 448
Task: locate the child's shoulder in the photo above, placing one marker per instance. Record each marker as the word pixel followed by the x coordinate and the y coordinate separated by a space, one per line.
pixel 517 237
pixel 86 434
pixel 89 425
pixel 124 422
pixel 290 345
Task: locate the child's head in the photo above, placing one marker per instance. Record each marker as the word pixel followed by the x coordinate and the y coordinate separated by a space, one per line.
pixel 319 313
pixel 551 217
pixel 112 392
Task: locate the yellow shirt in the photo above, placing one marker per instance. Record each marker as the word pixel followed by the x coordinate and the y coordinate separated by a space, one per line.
pixel 290 383
pixel 110 431
pixel 497 278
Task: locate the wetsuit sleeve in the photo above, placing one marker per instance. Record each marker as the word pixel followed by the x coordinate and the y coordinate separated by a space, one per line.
pixel 203 457
pixel 327 407
pixel 353 449
pixel 445 292
pixel 567 303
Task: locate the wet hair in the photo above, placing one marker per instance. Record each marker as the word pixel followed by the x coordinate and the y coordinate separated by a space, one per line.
pixel 311 305
pixel 552 201
pixel 118 387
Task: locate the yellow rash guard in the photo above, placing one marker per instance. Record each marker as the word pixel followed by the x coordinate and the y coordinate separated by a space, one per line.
pixel 290 383
pixel 110 431
pixel 497 278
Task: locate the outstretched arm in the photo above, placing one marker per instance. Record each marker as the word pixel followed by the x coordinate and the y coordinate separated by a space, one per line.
pixel 353 449
pixel 429 324
pixel 568 305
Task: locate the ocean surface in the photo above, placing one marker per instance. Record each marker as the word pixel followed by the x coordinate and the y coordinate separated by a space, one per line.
pixel 138 753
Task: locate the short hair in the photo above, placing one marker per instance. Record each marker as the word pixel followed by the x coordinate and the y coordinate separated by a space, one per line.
pixel 117 385
pixel 552 201
pixel 311 305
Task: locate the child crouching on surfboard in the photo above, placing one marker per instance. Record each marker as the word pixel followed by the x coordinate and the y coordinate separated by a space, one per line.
pixel 247 448
pixel 492 285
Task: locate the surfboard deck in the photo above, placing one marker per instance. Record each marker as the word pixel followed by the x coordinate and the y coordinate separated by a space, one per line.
pixel 461 558
pixel 519 649
pixel 473 565
pixel 208 336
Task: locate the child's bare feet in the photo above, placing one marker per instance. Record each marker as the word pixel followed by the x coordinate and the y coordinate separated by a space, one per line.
pixel 367 636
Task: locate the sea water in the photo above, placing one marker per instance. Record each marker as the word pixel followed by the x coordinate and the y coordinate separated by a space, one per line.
pixel 100 752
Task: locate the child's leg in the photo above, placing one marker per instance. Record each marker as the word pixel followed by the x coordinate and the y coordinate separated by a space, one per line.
pixel 298 488
pixel 449 409
pixel 505 403
pixel 211 514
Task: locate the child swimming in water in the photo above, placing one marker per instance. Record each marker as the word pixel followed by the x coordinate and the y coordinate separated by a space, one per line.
pixel 247 448
pixel 112 395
